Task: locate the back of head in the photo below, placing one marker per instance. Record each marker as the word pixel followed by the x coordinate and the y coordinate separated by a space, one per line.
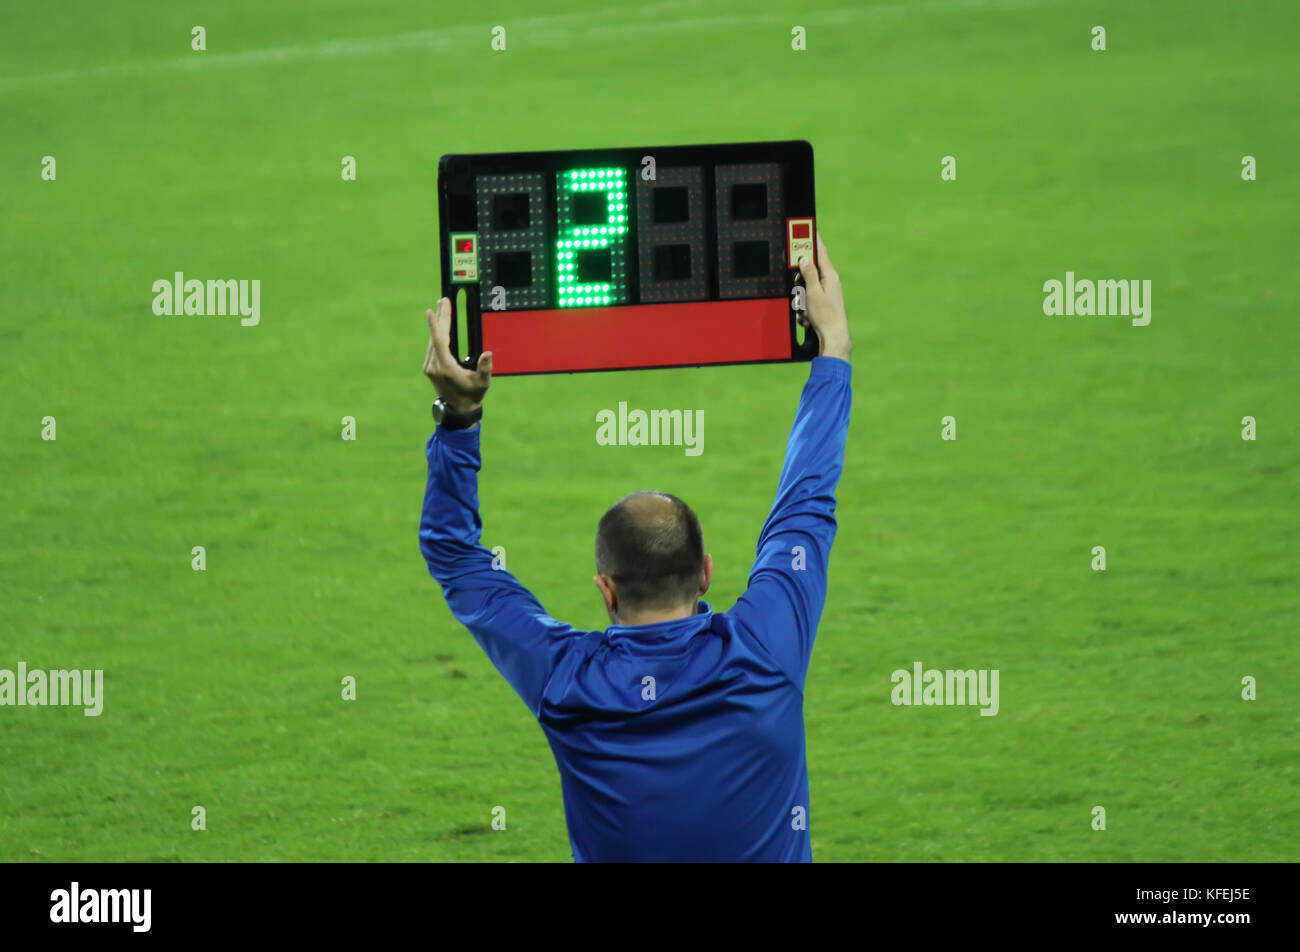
pixel 651 545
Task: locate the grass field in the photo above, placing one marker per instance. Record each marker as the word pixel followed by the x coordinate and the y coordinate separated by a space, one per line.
pixel 1119 688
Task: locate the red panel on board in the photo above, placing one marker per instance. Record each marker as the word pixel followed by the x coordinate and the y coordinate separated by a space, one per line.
pixel 641 335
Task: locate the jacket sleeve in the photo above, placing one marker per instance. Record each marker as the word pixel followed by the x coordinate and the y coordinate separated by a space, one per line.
pixel 522 641
pixel 787 585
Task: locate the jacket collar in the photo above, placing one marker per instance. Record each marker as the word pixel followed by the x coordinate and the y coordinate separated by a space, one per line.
pixel 661 631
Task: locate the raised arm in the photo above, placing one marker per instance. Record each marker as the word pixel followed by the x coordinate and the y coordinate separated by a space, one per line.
pixel 787 585
pixel 522 641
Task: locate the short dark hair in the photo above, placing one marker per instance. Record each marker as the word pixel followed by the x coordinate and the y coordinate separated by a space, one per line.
pixel 652 546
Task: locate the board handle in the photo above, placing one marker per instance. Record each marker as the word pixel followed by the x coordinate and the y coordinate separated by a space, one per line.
pixel 466 323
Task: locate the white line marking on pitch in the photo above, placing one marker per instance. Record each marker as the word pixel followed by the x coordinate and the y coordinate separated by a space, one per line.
pixel 549 29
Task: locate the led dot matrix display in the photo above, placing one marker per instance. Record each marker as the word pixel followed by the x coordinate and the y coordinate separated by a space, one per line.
pixel 591 250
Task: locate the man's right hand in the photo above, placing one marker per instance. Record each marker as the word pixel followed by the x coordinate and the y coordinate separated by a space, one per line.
pixel 460 389
pixel 826 304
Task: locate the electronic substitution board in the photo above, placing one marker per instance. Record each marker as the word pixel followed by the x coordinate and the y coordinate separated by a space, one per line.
pixel 614 259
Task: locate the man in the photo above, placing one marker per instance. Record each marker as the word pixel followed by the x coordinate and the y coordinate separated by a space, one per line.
pixel 678 731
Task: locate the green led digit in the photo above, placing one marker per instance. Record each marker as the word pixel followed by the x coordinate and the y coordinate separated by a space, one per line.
pixel 590 252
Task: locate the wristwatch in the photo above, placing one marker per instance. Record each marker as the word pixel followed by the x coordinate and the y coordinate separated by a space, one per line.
pixel 450 419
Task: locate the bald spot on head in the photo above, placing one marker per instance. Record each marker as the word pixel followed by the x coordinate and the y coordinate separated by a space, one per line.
pixel 650 509
pixel 652 547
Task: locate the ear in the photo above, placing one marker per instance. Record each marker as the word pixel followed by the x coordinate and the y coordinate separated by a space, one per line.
pixel 708 574
pixel 606 586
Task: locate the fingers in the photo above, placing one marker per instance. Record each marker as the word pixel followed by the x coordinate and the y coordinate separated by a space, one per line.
pixel 815 294
pixel 812 281
pixel 438 356
pixel 824 256
pixel 441 365
pixel 428 354
pixel 830 277
pixel 441 336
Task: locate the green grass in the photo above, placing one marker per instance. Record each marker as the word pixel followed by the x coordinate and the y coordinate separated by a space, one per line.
pixel 1119 689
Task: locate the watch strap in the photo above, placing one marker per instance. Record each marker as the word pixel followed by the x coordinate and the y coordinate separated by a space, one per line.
pixel 457 419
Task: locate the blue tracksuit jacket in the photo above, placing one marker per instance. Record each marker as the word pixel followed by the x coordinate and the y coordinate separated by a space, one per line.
pixel 710 764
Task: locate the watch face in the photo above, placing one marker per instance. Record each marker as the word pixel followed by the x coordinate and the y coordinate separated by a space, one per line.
pixel 439 411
